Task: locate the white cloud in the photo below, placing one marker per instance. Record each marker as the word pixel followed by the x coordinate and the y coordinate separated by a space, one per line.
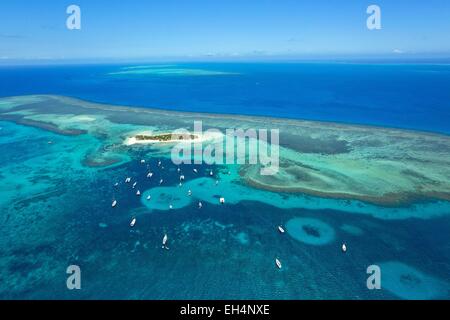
pixel 398 51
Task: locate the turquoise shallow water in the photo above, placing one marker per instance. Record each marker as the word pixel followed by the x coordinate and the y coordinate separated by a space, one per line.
pixel 56 212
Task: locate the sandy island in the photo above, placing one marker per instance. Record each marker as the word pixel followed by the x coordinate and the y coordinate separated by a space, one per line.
pixel 147 137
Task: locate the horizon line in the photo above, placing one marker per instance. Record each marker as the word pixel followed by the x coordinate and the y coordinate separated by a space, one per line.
pixel 444 59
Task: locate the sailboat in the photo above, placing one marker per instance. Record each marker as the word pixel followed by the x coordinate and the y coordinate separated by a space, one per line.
pixel 133 222
pixel 344 248
pixel 278 263
pixel 164 241
pixel 149 175
pixel 149 197
pixel 138 193
pixel 281 229
pixel 114 203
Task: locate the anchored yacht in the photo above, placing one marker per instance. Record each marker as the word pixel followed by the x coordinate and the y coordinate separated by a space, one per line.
pixel 278 263
pixel 164 241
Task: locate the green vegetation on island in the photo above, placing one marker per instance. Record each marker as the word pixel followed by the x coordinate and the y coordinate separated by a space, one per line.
pixel 165 137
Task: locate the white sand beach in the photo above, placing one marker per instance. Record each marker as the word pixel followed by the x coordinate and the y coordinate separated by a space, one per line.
pixel 175 138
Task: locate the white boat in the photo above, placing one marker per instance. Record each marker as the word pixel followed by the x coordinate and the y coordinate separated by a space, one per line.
pixel 278 263
pixel 281 229
pixel 181 177
pixel 161 181
pixel 180 184
pixel 211 173
pixel 222 200
pixel 133 222
pixel 178 170
pixel 149 175
pixel 142 161
pixel 116 184
pixel 127 180
pixel 344 248
pixel 164 241
pixel 134 185
pixel 200 205
pixel 189 192
pixel 138 193
pixel 114 203
pixel 159 163
pixel 149 197
pixel 195 170
pixel 217 182
pixel 170 206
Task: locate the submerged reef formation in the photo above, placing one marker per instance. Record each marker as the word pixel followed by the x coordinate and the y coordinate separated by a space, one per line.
pixel 383 166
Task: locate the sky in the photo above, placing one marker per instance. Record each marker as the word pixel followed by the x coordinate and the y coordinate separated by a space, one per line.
pixel 221 29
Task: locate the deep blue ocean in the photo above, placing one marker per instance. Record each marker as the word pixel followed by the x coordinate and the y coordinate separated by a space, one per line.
pixel 414 96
